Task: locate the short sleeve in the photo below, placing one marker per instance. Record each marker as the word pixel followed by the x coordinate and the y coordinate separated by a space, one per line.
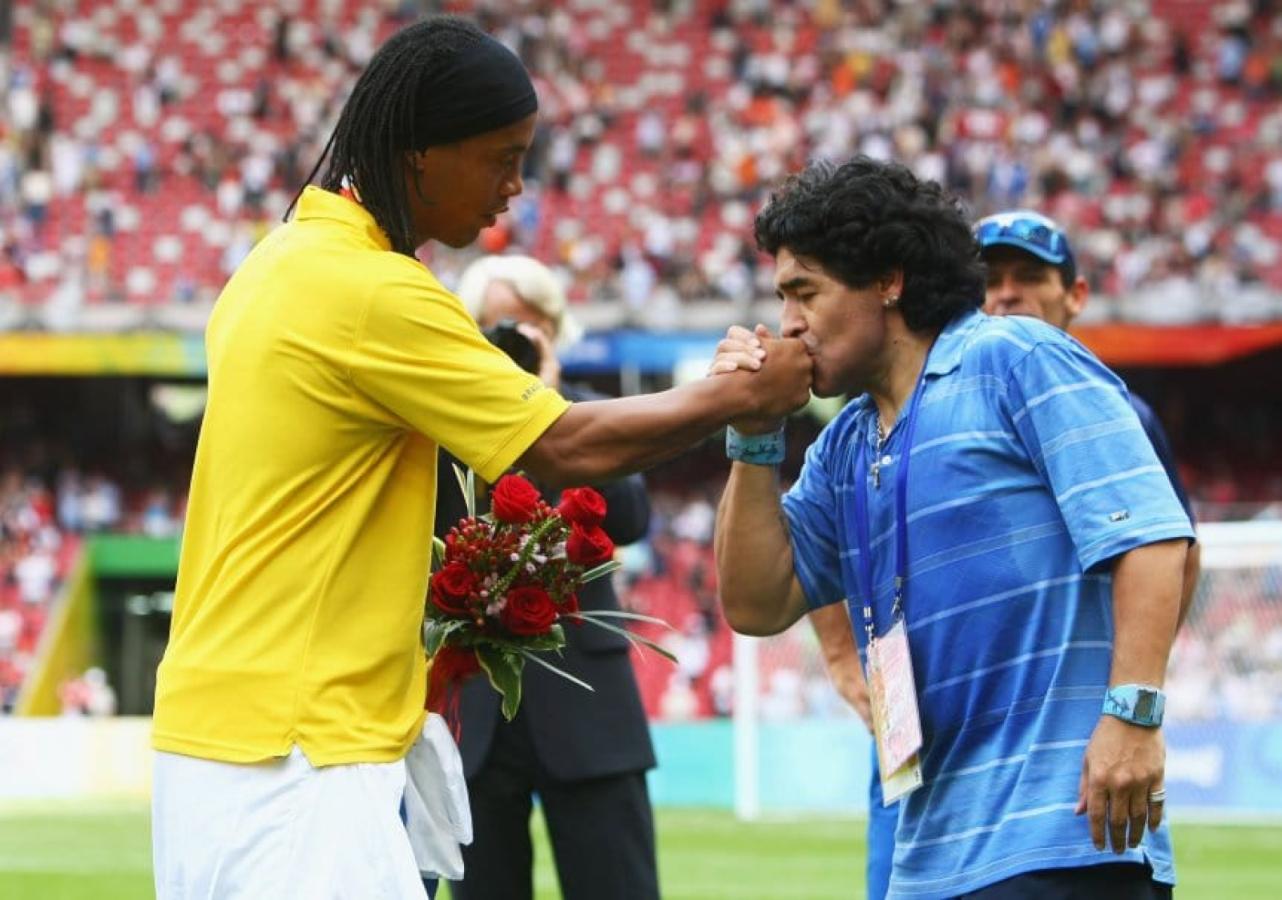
pixel 810 508
pixel 418 354
pixel 1073 416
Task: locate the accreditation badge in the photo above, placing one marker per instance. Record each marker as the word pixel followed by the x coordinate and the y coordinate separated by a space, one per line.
pixel 896 720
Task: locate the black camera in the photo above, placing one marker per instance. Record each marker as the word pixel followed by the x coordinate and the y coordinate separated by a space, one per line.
pixel 508 338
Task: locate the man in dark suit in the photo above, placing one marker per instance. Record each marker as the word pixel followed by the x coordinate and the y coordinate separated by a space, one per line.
pixel 584 754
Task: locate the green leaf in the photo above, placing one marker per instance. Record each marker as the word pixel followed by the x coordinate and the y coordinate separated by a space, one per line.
pixel 554 639
pixel 435 631
pixel 547 665
pixel 504 670
pixel 623 614
pixel 467 484
pixel 634 638
pixel 438 553
pixel 601 571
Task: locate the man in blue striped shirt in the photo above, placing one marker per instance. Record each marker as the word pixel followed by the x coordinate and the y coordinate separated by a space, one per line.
pixel 1038 543
pixel 1031 271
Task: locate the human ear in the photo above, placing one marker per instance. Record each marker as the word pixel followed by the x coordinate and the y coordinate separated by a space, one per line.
pixel 416 160
pixel 1077 295
pixel 891 285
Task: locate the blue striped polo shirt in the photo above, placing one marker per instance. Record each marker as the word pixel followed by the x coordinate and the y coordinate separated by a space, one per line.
pixel 1030 473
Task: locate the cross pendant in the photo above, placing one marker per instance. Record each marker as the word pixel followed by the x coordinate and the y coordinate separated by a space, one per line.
pixel 876 472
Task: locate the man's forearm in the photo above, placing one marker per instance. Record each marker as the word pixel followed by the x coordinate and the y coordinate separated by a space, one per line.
pixel 759 591
pixel 1147 588
pixel 841 657
pixel 602 439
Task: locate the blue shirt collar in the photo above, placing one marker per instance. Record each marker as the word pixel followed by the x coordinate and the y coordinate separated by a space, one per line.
pixel 946 355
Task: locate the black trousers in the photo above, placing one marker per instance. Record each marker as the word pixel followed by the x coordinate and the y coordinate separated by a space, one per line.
pixel 1111 881
pixel 601 829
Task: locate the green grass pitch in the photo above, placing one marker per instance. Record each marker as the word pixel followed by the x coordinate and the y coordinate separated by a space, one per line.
pixel 102 852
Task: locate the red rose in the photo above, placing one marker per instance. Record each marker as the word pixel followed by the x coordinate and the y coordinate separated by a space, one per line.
pixel 452 587
pixel 529 610
pixel 588 546
pixel 582 506
pixel 515 500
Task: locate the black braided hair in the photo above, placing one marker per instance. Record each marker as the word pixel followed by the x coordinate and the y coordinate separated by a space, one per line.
pixel 380 122
pixel 864 219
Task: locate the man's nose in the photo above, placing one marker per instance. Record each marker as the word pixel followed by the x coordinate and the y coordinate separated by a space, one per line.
pixel 1003 291
pixel 791 323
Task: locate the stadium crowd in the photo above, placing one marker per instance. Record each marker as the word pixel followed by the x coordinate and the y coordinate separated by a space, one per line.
pixel 41 523
pixel 34 555
pixel 145 147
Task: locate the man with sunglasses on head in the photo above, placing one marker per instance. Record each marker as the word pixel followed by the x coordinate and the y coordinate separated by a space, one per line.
pixel 1032 272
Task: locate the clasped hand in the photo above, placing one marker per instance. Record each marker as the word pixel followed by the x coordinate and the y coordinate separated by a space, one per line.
pixel 782 368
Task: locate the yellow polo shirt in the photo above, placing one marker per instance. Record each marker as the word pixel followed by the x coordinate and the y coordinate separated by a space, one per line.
pixel 336 368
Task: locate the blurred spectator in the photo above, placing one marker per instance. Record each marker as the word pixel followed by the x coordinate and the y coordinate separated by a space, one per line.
pixel 88 695
pixel 35 573
pixel 679 701
pixel 100 504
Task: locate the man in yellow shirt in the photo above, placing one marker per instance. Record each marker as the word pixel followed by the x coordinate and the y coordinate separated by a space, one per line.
pixel 293 684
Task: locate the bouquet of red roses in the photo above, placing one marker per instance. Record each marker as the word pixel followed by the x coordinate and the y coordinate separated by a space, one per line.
pixel 505 582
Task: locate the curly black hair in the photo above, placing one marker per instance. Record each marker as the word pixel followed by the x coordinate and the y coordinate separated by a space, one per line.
pixel 864 219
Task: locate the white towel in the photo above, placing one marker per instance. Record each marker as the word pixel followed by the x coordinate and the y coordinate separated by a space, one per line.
pixel 437 814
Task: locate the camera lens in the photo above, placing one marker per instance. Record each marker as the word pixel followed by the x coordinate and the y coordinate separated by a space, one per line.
pixel 506 336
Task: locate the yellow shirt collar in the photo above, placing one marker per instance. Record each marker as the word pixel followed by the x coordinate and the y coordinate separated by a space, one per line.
pixel 318 203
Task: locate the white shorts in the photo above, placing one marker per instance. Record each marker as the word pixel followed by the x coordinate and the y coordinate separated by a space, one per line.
pixel 280 830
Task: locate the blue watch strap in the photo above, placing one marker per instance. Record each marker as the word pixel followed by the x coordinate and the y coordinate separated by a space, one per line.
pixel 1139 704
pixel 757 449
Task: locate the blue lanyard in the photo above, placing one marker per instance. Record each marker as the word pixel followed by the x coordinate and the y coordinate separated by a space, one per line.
pixel 901 514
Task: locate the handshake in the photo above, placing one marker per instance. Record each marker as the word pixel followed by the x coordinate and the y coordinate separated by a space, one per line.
pixel 777 371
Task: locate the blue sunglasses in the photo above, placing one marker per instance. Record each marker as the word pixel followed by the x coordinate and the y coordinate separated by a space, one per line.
pixel 1036 235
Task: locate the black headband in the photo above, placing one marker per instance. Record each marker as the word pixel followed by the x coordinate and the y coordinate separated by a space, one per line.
pixel 484 87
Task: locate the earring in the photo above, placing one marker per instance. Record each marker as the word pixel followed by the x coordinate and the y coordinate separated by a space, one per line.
pixel 891 300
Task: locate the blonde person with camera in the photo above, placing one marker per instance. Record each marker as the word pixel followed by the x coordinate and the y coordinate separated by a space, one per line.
pixel 583 754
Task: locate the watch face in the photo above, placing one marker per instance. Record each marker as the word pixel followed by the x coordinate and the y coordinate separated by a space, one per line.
pixel 1144 705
